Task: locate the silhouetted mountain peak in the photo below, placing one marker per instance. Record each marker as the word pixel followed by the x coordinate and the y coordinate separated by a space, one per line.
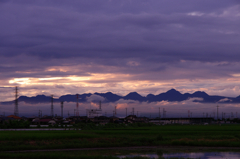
pixel 109 93
pixel 150 96
pixel 173 92
pixel 171 95
pixel 134 96
pixel 109 96
pixel 200 94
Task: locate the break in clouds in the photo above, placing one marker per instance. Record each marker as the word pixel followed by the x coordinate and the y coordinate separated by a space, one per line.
pixel 59 47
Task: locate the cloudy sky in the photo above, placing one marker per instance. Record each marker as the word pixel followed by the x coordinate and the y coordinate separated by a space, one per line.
pixel 148 46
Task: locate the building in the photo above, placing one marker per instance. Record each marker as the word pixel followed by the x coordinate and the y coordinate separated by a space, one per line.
pixel 182 120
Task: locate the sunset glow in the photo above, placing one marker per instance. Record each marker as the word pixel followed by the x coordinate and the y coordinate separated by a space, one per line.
pixel 148 47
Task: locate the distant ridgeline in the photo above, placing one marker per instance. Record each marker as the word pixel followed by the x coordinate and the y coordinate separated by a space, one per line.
pixel 171 95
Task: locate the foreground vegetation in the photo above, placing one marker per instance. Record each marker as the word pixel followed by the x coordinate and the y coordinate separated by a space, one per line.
pixel 117 135
pixel 96 154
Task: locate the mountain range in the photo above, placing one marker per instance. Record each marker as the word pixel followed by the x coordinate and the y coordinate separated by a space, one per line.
pixel 171 96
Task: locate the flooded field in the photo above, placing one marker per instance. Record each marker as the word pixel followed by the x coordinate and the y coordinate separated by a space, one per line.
pixel 132 153
pixel 190 155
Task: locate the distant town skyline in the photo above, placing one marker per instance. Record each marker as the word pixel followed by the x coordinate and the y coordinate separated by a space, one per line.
pixel 172 102
pixel 69 47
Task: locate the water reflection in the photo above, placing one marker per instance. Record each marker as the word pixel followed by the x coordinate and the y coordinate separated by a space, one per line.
pixel 192 155
pixel 140 155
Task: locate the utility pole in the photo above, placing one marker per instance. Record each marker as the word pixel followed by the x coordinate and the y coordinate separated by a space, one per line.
pixel 126 112
pixel 16 102
pixel 217 112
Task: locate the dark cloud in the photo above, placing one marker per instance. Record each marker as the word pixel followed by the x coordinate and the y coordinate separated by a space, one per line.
pixel 150 40
pixel 56 31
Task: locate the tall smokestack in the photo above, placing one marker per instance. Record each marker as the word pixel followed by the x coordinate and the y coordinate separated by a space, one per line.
pixel 52 113
pixel 16 102
pixel 100 105
pixel 62 108
pixel 77 111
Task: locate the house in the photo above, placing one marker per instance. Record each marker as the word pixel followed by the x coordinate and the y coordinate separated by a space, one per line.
pixel 5 119
pixel 77 119
pixel 135 119
pixel 195 120
pixel 101 120
pixel 31 118
pixel 142 120
pixel 113 119
pixel 14 117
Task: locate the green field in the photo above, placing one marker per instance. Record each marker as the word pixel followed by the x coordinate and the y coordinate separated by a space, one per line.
pixel 176 135
pixel 117 136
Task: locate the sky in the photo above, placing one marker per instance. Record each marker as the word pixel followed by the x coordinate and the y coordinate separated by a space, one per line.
pixel 120 46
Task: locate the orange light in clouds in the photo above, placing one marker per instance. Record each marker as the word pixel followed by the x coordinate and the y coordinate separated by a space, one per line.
pixel 20 81
pixel 122 105
pixel 95 105
pixel 57 69
pixel 50 78
pixel 66 80
pixel 98 81
pixel 75 78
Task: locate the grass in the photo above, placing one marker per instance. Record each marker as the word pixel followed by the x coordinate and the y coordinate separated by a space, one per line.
pixel 170 135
